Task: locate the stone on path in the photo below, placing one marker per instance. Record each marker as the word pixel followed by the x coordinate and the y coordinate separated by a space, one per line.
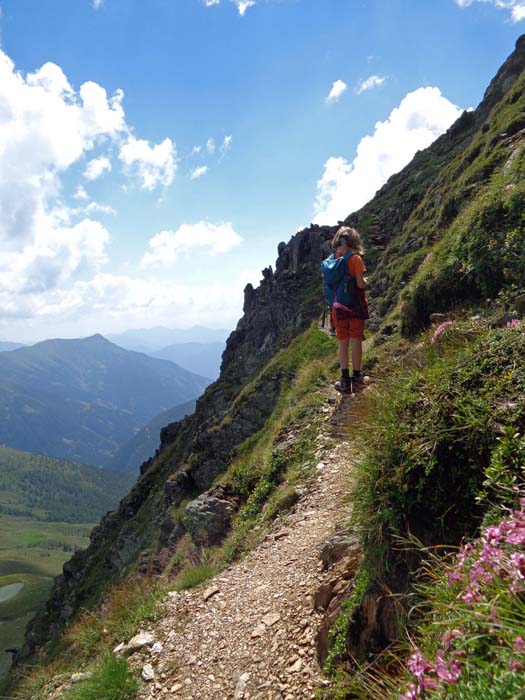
pixel 148 674
pixel 142 639
pixel 271 619
pixel 211 591
pixel 241 686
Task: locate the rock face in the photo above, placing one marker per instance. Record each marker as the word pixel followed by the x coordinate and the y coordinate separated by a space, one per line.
pixel 207 518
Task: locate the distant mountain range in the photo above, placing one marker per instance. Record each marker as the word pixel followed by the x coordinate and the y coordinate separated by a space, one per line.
pixel 140 448
pixel 155 339
pixel 6 346
pixel 43 488
pixel 201 358
pixel 82 399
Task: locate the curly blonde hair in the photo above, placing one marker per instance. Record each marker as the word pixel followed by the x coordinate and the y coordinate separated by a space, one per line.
pixel 352 238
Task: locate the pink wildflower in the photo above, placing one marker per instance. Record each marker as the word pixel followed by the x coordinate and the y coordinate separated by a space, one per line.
pixel 418 665
pixel 412 693
pixel 515 665
pixel 449 672
pixel 429 683
pixel 517 572
pixel 513 324
pixel 519 644
pixel 439 330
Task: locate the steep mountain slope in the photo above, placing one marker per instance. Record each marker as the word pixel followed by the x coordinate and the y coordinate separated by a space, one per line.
pixel 426 206
pixel 131 455
pixel 54 490
pixel 82 399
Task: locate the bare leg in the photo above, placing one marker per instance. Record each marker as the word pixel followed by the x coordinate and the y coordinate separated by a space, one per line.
pixel 343 353
pixel 357 353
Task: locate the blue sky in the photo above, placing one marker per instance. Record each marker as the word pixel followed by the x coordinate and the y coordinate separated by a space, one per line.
pixel 153 155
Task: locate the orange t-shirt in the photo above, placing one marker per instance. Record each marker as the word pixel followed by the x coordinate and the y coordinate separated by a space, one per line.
pixel 355 263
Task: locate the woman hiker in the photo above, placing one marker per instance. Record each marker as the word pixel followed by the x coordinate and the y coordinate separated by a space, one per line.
pixel 349 321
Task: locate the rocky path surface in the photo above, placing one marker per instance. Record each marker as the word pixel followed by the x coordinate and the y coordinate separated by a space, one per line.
pixel 251 632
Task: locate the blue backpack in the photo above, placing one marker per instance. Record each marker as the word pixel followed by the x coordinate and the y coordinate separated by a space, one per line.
pixel 338 284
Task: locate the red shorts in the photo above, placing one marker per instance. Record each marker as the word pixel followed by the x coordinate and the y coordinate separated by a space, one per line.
pixel 348 328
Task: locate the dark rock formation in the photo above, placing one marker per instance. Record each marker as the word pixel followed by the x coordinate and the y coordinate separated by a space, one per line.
pixel 207 518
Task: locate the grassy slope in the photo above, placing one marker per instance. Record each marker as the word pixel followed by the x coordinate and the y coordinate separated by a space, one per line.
pixel 449 419
pixel 455 194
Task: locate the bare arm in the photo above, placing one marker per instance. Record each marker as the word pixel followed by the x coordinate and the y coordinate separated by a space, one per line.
pixel 360 280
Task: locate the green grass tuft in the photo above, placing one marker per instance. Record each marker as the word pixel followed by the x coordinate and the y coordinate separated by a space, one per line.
pixel 111 680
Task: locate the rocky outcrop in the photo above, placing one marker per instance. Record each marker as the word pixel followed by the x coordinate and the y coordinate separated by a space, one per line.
pixel 207 518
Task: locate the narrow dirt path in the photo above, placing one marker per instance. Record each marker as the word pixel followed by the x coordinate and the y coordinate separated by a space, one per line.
pixel 251 632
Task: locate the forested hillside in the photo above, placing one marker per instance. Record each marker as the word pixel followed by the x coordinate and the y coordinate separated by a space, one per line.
pixel 42 488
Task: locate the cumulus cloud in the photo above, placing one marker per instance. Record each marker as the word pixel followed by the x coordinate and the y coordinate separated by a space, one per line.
pixel 97 167
pixel 57 255
pixel 81 194
pixel 210 146
pixel 515 7
pixel 196 173
pixel 151 165
pixel 419 119
pixel 370 83
pixel 47 249
pixel 337 90
pixel 211 3
pixel 243 5
pixel 207 238
pixel 45 127
pixel 196 149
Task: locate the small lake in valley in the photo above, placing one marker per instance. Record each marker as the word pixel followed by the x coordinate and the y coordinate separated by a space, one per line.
pixel 9 591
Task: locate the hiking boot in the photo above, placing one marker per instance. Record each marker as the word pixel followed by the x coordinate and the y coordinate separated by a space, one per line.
pixel 343 385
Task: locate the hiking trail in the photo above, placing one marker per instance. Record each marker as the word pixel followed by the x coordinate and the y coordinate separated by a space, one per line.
pixel 250 632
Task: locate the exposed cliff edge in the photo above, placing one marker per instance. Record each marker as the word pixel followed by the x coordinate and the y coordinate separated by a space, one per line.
pixel 407 217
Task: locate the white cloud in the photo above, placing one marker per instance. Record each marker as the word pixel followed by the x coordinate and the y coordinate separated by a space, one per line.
pixel 211 3
pixel 151 165
pixel 337 90
pixel 370 83
pixel 81 194
pixel 97 4
pixel 206 238
pixel 243 5
pixel 210 146
pixel 57 255
pixel 108 302
pixel 196 173
pixel 94 207
pixel 226 144
pixel 516 7
pixel 97 167
pixel 419 119
pixel 47 249
pixel 45 127
pixel 196 149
